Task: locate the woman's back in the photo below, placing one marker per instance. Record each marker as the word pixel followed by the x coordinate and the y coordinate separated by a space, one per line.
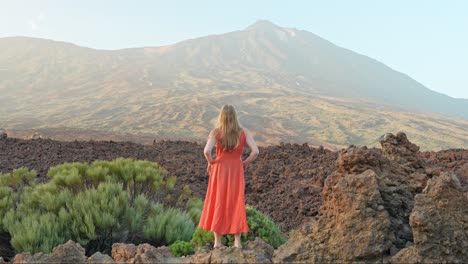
pixel 236 153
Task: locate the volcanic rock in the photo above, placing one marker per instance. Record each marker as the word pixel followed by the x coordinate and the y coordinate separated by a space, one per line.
pixel 98 258
pixel 440 224
pixel 368 199
pixel 350 213
pixel 452 161
pixel 69 252
pixel 143 253
pixel 400 149
pixel 256 251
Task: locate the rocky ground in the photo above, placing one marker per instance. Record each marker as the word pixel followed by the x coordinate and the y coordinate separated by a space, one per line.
pixel 392 204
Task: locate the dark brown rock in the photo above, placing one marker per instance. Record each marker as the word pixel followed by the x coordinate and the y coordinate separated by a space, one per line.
pixel 357 160
pixel 350 212
pixel 440 224
pixel 400 149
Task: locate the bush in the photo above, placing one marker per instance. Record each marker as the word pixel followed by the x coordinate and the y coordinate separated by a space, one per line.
pixel 259 226
pixel 194 208
pixel 11 186
pixel 202 238
pixel 95 205
pixel 169 226
pixel 181 248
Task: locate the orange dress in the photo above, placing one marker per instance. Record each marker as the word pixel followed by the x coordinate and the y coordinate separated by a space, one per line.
pixel 224 206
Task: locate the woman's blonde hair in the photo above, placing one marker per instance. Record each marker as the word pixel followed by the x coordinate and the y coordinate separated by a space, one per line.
pixel 228 129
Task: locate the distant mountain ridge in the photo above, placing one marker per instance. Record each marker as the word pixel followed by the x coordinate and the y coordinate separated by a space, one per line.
pixel 288 84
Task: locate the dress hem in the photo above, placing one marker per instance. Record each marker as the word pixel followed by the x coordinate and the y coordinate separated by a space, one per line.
pixel 224 233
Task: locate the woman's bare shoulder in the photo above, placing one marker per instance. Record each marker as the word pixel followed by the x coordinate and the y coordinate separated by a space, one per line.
pixel 246 131
pixel 213 133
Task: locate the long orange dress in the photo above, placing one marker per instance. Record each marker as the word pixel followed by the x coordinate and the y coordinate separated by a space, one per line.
pixel 224 206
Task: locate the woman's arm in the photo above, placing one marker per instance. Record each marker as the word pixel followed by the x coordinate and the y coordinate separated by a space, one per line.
pixel 253 148
pixel 209 147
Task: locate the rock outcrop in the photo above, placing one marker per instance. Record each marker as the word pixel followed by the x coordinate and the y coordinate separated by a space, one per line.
pixel 143 253
pixel 366 206
pixel 69 252
pixel 440 224
pixel 256 251
pixel 452 161
pixel 72 252
pixel 352 225
pixel 399 148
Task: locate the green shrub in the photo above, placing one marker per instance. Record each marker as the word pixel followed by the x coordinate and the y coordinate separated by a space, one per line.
pixel 11 186
pixel 259 226
pixel 169 226
pixel 202 237
pixel 194 208
pixel 18 178
pixel 181 248
pixel 95 205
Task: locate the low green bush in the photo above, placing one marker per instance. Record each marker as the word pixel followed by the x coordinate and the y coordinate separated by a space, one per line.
pixel 194 208
pixel 94 204
pixel 181 248
pixel 261 226
pixel 12 186
pixel 201 238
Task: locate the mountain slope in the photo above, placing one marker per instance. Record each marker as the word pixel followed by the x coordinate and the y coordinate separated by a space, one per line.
pixel 289 85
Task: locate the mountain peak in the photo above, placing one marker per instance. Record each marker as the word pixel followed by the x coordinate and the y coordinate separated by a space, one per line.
pixel 262 25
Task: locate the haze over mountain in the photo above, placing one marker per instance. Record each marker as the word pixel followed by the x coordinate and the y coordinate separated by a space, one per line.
pixel 288 84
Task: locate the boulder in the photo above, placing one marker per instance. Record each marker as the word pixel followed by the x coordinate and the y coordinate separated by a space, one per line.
pixel 26 257
pixel 357 160
pixel 366 207
pixel 98 258
pixel 69 252
pixel 440 224
pixel 396 186
pixel 143 253
pixel 123 252
pixel 352 211
pixel 400 149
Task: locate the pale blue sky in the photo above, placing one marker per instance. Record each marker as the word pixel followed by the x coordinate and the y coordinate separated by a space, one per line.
pixel 427 40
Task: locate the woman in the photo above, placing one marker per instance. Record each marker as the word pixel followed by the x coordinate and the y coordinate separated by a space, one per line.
pixel 224 206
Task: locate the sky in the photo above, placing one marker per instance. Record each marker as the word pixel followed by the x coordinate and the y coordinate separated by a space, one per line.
pixel 426 40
